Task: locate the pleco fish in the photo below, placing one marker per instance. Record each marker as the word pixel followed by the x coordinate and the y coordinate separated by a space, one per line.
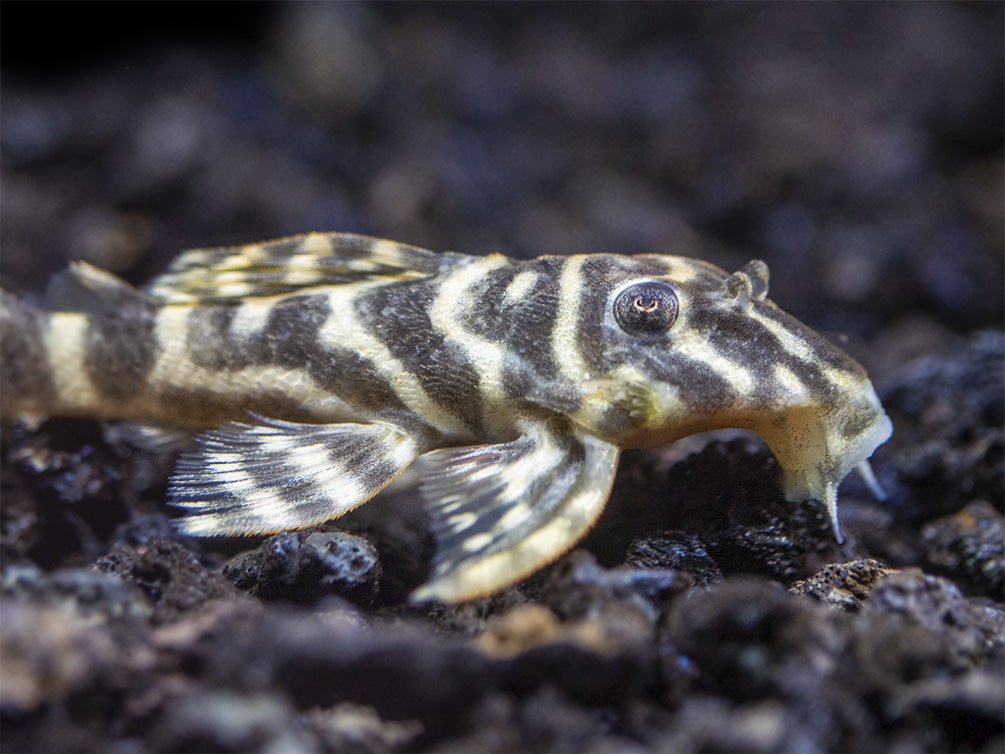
pixel 314 369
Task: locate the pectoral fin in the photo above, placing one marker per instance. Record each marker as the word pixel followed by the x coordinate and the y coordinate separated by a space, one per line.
pixel 271 476
pixel 500 512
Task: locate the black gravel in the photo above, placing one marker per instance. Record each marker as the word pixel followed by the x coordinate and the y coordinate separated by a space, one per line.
pixel 856 148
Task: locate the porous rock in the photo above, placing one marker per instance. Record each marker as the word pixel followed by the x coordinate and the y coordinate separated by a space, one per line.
pixel 306 566
pixel 969 546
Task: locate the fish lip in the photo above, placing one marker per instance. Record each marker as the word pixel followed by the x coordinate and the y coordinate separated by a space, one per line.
pixel 815 452
pixel 816 444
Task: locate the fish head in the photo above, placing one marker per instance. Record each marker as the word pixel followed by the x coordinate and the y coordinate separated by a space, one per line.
pixel 672 346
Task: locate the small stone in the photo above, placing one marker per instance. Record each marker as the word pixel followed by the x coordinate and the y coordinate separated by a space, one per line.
pixel 843 585
pixel 87 594
pixel 358 728
pixel 306 566
pixel 169 574
pixel 675 550
pixel 228 721
pixel 969 629
pixel 968 546
pixel 578 587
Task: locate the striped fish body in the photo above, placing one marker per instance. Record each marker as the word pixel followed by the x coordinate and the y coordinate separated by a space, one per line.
pixel 315 369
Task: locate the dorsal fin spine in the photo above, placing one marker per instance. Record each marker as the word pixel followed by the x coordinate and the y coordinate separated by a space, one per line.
pixel 82 287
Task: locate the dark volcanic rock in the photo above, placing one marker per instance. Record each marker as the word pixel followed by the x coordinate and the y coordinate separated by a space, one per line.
pixel 87 593
pixel 169 574
pixel 676 550
pixel 843 585
pixel 306 566
pixel 741 630
pixel 753 642
pixel 70 492
pixel 969 546
pixel 727 494
pixel 969 629
pixel 61 673
pixel 578 587
pixel 813 670
pixel 543 721
pixel 332 656
pixel 856 148
pixel 227 721
pixel 949 410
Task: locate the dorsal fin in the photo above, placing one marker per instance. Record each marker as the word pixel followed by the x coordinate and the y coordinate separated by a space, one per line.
pixel 289 265
pixel 82 287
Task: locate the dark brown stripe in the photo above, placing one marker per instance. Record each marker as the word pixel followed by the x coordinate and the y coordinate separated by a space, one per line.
pixel 747 342
pixel 824 351
pixel 602 351
pixel 121 349
pixel 204 406
pixel 291 339
pixel 529 324
pixel 26 381
pixel 398 316
pixel 290 336
pixel 354 379
pixel 209 342
pixel 485 313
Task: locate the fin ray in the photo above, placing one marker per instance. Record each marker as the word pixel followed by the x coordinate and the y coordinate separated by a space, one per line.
pixel 276 475
pixel 289 265
pixel 500 512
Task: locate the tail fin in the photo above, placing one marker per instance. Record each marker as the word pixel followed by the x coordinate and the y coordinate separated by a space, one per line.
pixel 26 380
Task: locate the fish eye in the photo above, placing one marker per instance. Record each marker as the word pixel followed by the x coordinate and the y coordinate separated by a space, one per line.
pixel 646 308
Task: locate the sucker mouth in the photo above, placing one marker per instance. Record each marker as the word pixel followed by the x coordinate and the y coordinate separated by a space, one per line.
pixel 816 453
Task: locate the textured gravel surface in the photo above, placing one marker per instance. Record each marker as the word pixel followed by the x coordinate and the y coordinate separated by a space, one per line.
pixel 857 149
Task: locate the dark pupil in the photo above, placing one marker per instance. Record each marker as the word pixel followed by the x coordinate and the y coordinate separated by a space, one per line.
pixel 646 308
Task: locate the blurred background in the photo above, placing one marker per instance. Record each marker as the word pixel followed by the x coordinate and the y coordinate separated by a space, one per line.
pixel 857 148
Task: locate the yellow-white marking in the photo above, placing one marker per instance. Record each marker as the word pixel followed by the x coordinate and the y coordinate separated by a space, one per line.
pixel 251 252
pixel 66 347
pixel 250 318
pixel 455 503
pixel 737 375
pixel 451 299
pixel 315 245
pixel 389 252
pixel 317 465
pixel 790 342
pixel 343 328
pixel 685 270
pixel 788 380
pixel 565 334
pixel 518 475
pixel 483 473
pixel 461 521
pixel 514 517
pixel 402 447
pixel 477 542
pixel 175 370
pixel 798 347
pixel 518 288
